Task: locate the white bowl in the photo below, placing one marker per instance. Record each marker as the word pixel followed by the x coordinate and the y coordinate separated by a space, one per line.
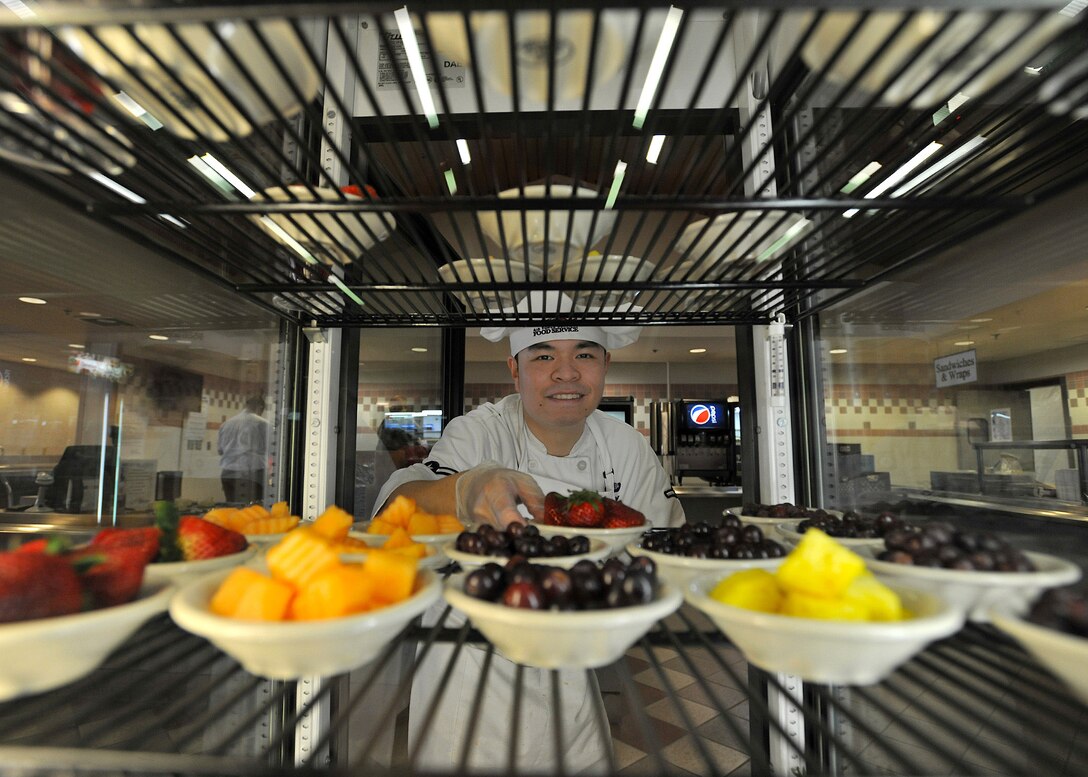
pixel 165 95
pixel 434 559
pixel 601 269
pixel 437 540
pixel 743 236
pixel 344 235
pixel 294 649
pixel 598 549
pixel 562 640
pixel 534 235
pixel 928 45
pixel 271 539
pixel 49 652
pixel 681 570
pixel 1065 655
pixel 182 572
pixel 975 592
pixel 489 270
pixel 824 651
pixel 789 533
pixel 616 539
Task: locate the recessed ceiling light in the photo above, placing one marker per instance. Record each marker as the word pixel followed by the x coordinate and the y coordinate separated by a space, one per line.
pixel 157 337
pixel 418 349
pixel 980 320
pixel 29 359
pixel 837 350
pixel 86 314
pixel 76 345
pixel 697 350
pixel 966 328
pixel 32 300
pixel 964 342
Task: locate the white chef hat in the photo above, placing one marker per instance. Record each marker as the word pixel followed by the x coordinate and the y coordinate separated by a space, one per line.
pixel 608 337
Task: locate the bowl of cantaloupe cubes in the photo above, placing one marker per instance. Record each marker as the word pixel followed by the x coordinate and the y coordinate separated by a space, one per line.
pixel 261 525
pixel 304 611
pixel 822 616
pixel 402 512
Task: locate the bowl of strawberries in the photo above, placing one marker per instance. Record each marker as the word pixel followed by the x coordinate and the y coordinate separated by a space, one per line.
pixel 188 546
pixel 594 516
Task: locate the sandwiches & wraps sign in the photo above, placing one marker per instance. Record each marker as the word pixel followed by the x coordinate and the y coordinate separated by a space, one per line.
pixel 958 368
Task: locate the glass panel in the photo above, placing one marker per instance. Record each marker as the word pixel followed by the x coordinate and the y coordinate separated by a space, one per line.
pixel 969 376
pixel 400 411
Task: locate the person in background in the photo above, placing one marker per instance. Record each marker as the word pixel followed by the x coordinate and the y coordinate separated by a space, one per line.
pixel 488 466
pixel 243 453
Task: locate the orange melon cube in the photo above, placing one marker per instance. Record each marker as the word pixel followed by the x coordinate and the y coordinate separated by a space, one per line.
pixel 398 511
pixel 334 523
pixel 398 538
pixel 381 526
pixel 336 592
pixel 249 595
pixel 273 524
pixel 394 576
pixel 279 508
pixel 301 556
pixel 448 524
pixel 416 550
pixel 422 523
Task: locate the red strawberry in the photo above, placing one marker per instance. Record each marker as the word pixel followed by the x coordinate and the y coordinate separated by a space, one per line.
pixel 145 539
pixel 555 508
pixel 585 510
pixel 110 575
pixel 37 585
pixel 199 539
pixel 617 515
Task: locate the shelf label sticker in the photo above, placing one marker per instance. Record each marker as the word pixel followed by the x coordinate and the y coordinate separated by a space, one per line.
pixel 451 72
pixel 955 369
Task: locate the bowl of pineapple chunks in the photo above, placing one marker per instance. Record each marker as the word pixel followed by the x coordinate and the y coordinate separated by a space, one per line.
pixel 304 610
pixel 822 616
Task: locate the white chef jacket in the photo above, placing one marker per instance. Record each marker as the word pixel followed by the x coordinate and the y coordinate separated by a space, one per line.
pixel 611 458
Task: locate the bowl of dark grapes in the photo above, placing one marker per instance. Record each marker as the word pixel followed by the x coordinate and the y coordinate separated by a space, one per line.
pixel 1054 630
pixel 474 548
pixel 685 552
pixel 851 529
pixel 972 569
pixel 555 618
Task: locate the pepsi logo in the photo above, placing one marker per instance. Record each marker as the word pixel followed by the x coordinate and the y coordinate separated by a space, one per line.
pixel 700 415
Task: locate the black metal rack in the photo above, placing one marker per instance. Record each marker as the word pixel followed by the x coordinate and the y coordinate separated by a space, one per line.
pixel 170 703
pixel 766 113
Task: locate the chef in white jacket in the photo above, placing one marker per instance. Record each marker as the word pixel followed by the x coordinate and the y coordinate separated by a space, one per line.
pixel 494 465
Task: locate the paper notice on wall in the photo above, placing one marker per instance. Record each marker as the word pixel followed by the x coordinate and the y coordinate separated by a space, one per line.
pixel 955 369
pixel 196 424
pixel 139 479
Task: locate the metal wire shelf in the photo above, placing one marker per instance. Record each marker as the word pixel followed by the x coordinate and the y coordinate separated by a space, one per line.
pixel 765 116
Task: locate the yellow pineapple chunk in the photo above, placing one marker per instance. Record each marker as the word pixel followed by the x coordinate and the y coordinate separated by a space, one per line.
pixel 336 592
pixel 880 602
pixel 301 556
pixel 819 566
pixel 805 605
pixel 752 589
pixel 334 523
pixel 249 595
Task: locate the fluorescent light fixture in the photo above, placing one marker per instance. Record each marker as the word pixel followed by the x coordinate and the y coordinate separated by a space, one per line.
pixel 228 174
pixel 837 350
pixel 291 243
pixel 980 320
pixel 1033 71
pixel 347 292
pixel 860 177
pixel 784 240
pixel 933 170
pixel 462 149
pixel 415 63
pixel 29 359
pixel 657 65
pixel 33 300
pixel 451 181
pixel 419 349
pixel 949 107
pixel 617 182
pixel 158 337
pixel 76 345
pixel 898 175
pixel 130 195
pixel 218 181
pixel 654 151
pixel 18 8
pixel 86 314
pixel 696 350
pixel 964 342
pixel 137 110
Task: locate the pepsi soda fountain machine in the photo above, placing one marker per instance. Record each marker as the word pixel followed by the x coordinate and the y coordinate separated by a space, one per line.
pixel 703 441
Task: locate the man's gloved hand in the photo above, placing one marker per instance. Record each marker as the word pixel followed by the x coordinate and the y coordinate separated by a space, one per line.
pixel 490 494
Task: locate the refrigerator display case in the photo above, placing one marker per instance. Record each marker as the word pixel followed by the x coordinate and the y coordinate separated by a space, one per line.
pixel 346 168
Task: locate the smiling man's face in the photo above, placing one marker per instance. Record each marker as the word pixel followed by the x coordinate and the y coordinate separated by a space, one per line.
pixel 561 383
